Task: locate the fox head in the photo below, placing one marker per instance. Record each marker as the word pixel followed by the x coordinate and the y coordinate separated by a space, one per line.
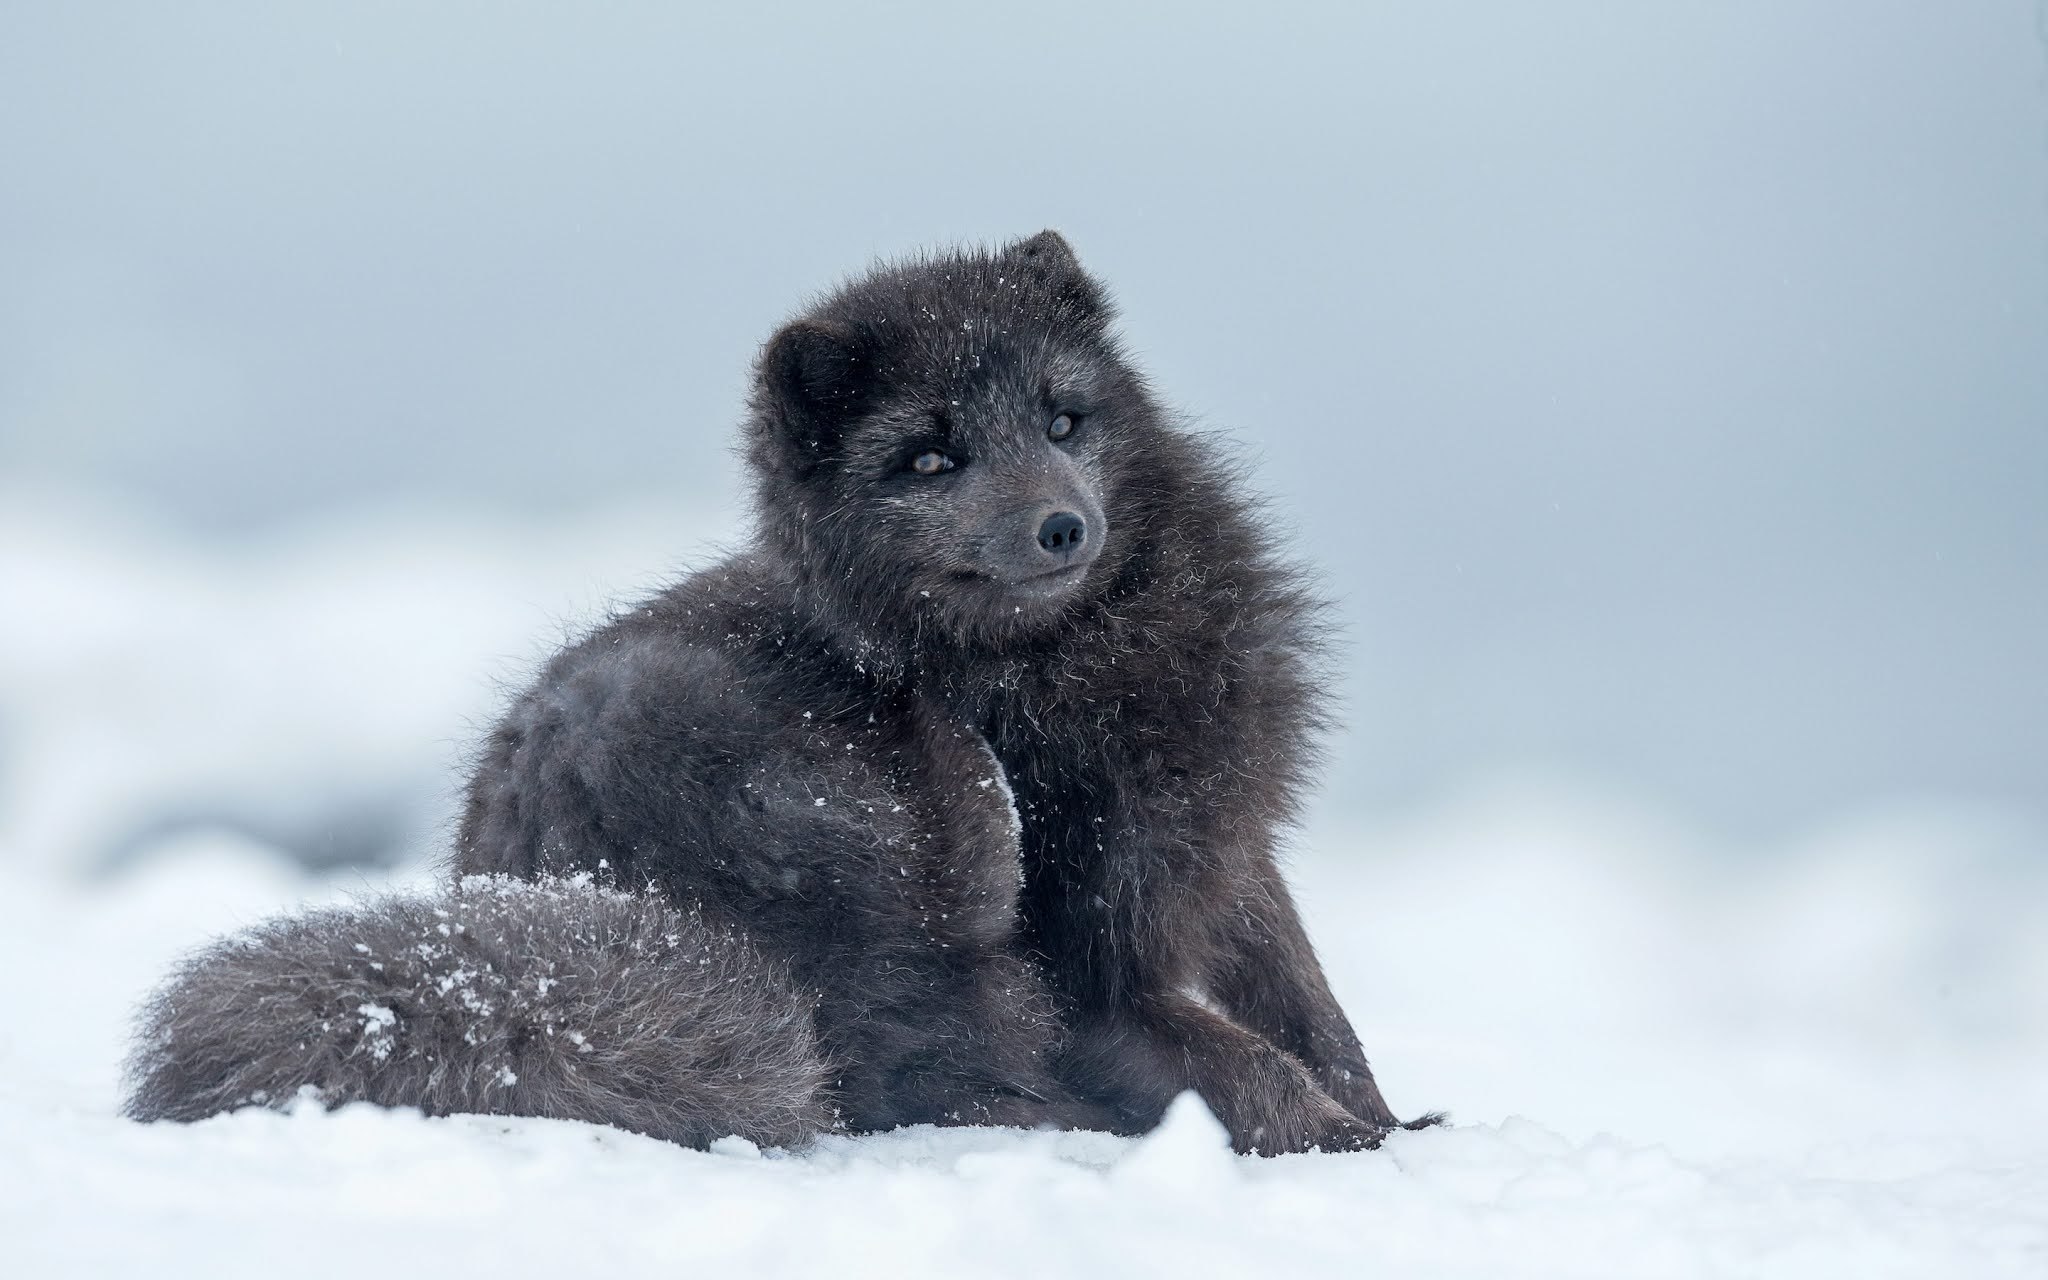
pixel 954 441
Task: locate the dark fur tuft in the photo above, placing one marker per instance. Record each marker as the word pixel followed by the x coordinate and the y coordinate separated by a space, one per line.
pixel 554 998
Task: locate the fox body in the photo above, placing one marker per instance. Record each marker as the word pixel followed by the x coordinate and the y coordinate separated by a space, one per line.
pixel 982 745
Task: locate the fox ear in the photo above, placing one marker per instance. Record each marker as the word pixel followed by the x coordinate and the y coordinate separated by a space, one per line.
pixel 1049 257
pixel 811 380
pixel 1048 247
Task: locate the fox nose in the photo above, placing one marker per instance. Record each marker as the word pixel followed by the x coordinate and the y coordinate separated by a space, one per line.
pixel 1062 533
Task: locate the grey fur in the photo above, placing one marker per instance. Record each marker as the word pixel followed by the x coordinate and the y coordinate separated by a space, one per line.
pixel 1006 797
pixel 555 998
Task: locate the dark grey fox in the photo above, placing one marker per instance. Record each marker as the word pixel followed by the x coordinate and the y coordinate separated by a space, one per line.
pixel 977 755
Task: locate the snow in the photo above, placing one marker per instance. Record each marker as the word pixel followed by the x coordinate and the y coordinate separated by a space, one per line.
pixel 1666 1054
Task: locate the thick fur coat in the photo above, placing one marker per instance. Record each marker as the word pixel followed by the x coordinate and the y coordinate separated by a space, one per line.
pixel 986 741
pixel 501 996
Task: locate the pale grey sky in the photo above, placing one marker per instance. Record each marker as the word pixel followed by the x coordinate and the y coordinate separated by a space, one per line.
pixel 1662 386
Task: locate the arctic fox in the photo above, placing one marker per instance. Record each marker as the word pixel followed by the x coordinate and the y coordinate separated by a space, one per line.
pixel 964 776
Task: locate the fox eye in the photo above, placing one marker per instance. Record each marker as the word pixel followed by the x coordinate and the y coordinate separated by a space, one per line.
pixel 931 462
pixel 1062 427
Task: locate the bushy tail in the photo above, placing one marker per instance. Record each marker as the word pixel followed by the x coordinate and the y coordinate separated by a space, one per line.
pixel 509 997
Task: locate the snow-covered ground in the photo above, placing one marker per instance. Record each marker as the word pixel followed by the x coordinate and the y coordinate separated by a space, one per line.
pixel 1665 1057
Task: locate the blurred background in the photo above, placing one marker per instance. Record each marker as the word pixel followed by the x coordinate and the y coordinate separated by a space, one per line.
pixel 1661 388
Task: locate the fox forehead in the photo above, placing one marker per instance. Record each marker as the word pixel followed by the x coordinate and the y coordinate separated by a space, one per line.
pixel 968 382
